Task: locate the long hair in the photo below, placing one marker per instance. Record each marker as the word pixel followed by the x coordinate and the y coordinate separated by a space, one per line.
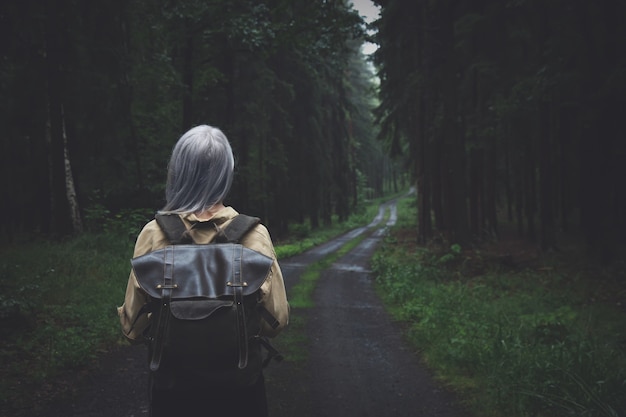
pixel 200 171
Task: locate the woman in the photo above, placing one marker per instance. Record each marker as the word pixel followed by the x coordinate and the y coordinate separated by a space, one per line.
pixel 200 174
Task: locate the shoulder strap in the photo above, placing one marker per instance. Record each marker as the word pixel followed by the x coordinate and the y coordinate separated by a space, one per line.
pixel 173 227
pixel 176 232
pixel 237 229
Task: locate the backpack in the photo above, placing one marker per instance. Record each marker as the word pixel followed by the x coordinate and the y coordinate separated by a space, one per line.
pixel 204 300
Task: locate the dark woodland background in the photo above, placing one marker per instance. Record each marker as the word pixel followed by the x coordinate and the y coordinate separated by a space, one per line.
pixel 502 113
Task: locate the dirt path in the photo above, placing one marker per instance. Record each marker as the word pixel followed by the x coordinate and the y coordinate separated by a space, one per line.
pixel 358 363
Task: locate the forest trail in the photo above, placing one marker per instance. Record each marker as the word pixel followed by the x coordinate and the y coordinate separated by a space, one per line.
pixel 358 363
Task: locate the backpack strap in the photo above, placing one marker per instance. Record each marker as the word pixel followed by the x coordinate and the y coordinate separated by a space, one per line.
pixel 272 353
pixel 174 228
pixel 176 232
pixel 164 316
pixel 233 233
pixel 237 285
pixel 237 229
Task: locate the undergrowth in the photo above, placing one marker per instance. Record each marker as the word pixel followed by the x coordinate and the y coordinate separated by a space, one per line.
pixel 58 307
pixel 514 341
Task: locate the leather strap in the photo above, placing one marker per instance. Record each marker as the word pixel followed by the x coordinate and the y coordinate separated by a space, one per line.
pixel 236 229
pixel 272 353
pixel 164 316
pixel 238 284
pixel 268 317
pixel 176 232
pixel 174 228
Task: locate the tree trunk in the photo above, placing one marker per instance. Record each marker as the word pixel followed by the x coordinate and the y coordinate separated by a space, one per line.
pixel 476 196
pixel 548 232
pixel 566 132
pixel 187 78
pixel 127 97
pixel 530 189
pixel 423 176
pixel 508 194
pixel 490 201
pixel 70 190
pixel 455 193
pixel 436 174
pixel 54 49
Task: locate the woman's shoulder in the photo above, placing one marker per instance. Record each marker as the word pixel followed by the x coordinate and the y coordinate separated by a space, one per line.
pixel 150 238
pixel 258 238
pixel 149 229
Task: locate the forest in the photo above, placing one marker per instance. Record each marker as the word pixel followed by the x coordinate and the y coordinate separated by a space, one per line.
pixel 505 117
pixel 498 112
pixel 510 112
pixel 95 94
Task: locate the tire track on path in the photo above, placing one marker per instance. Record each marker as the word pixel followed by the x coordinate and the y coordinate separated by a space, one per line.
pixel 292 267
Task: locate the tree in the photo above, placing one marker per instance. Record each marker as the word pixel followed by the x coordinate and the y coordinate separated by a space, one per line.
pixel 519 98
pixel 125 79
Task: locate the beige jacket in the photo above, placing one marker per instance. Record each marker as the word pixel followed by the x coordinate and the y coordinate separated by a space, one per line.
pixel 151 238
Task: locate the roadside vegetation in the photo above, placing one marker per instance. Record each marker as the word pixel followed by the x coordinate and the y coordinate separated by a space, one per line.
pixel 293 343
pixel 58 306
pixel 534 335
pixel 302 238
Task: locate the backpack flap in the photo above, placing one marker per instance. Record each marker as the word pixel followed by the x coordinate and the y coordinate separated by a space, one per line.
pixel 201 291
pixel 203 271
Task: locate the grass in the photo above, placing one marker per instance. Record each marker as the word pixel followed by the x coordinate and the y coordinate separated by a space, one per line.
pixel 544 339
pixel 293 341
pixel 301 295
pixel 302 238
pixel 58 307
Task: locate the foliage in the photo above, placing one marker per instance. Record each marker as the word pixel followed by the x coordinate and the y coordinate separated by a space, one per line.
pixel 124 223
pixel 302 237
pixel 538 342
pixel 284 79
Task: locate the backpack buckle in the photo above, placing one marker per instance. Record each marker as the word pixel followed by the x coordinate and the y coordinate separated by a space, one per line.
pixel 167 287
pixel 237 284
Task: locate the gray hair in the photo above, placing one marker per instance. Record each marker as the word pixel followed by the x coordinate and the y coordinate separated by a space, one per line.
pixel 200 171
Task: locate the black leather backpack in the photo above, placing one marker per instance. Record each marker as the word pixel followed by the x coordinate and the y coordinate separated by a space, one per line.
pixel 206 315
